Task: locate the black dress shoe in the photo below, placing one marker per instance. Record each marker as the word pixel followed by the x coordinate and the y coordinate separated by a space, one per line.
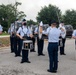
pixel 19 55
pixel 25 61
pixel 48 70
pixel 15 55
pixel 64 54
pixel 28 61
pixel 32 51
pixel 61 54
pixel 54 71
pixel 22 62
pixel 12 52
pixel 43 54
pixel 38 54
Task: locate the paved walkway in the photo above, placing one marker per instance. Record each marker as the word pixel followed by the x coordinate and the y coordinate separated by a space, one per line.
pixel 4 36
pixel 10 65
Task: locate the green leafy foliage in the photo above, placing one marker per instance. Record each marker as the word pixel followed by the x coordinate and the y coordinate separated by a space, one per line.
pixel 48 13
pixel 31 22
pixel 9 13
pixel 70 17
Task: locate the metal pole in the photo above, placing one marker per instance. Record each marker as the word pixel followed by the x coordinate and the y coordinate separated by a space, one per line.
pixel 16 8
pixel 58 16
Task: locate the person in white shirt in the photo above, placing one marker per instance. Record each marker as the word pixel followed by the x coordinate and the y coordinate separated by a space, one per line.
pixel 63 38
pixel 53 38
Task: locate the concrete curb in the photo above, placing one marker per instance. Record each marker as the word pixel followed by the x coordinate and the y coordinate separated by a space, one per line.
pixel 4 48
pixel 4 36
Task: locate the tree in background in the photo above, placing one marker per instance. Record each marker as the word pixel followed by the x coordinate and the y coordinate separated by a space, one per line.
pixel 49 13
pixel 31 22
pixel 9 13
pixel 70 17
pixel 18 14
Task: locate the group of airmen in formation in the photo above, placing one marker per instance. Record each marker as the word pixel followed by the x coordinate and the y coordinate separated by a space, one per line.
pixel 17 35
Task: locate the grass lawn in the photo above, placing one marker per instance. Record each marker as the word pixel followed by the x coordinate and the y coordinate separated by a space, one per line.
pixel 4 42
pixel 3 34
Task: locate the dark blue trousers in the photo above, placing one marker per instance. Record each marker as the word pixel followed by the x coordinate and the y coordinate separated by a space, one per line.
pixel 25 55
pixel 15 45
pixel 18 46
pixel 20 43
pixel 62 48
pixel 40 44
pixel 33 40
pixel 53 56
pixel 12 43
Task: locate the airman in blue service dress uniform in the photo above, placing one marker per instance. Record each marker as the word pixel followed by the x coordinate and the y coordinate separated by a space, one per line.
pixel 17 40
pixel 22 31
pixel 12 37
pixel 53 39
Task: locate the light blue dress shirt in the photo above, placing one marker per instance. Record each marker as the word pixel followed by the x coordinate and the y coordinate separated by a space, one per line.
pixel 36 30
pixel 74 33
pixel 24 30
pixel 11 29
pixel 1 28
pixel 53 34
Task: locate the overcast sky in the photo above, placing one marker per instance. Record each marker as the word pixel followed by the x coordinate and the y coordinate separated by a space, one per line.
pixel 32 7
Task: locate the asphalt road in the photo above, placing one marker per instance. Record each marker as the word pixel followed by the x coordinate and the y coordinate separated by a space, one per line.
pixel 10 65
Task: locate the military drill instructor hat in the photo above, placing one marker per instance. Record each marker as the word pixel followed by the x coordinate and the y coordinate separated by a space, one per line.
pixel 24 20
pixel 53 21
